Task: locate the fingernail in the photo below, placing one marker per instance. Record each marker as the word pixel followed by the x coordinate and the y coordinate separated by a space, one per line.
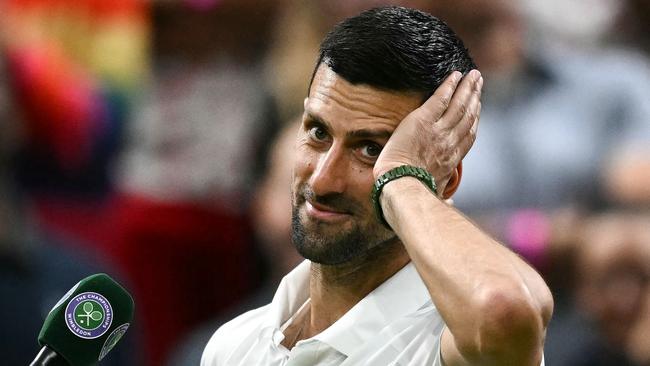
pixel 476 74
pixel 479 83
pixel 457 75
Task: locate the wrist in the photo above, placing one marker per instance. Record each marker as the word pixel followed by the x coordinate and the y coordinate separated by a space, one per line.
pixel 405 186
pixel 409 177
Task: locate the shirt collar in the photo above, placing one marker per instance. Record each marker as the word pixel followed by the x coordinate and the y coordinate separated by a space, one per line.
pixel 292 293
pixel 401 294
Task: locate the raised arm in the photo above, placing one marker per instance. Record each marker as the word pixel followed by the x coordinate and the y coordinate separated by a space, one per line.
pixel 496 306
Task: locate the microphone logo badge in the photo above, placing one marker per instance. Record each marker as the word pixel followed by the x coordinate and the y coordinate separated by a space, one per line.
pixel 89 315
pixel 112 339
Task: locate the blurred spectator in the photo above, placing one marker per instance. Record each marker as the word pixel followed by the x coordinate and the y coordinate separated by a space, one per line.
pixel 75 71
pixel 627 176
pixel 631 171
pixel 632 26
pixel 179 224
pixel 613 289
pixel 573 24
pixel 550 125
pixel 176 220
pixel 36 270
pixel 271 212
pixel 556 131
pixel 75 68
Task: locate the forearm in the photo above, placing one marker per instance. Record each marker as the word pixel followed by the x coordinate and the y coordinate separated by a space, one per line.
pixel 474 281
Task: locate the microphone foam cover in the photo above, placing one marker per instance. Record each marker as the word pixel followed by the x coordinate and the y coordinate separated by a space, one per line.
pixel 88 321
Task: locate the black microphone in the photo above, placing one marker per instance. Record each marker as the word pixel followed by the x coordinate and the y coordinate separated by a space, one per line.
pixel 85 324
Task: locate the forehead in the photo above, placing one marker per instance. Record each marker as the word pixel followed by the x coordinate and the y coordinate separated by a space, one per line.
pixel 337 101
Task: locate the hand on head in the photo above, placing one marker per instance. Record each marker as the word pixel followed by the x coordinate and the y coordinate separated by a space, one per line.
pixel 437 135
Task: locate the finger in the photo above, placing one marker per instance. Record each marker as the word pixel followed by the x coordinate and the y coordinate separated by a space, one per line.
pixel 437 103
pixel 458 106
pixel 466 143
pixel 473 111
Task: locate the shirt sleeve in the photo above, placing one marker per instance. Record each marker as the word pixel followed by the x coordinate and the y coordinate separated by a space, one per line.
pixel 210 353
pixel 438 360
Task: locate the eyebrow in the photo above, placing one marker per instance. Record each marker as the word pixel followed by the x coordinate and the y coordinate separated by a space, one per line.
pixel 369 134
pixel 356 134
pixel 317 119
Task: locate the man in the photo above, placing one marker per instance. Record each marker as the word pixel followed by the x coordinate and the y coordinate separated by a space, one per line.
pixel 613 288
pixel 425 286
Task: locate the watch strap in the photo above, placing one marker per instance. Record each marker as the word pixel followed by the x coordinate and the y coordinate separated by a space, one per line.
pixel 395 173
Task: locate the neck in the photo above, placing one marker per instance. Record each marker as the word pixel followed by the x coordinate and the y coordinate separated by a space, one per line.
pixel 335 289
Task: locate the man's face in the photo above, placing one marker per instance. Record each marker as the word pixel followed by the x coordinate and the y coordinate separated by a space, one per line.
pixel 343 130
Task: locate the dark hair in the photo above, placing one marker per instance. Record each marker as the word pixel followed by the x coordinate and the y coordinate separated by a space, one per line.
pixel 394 48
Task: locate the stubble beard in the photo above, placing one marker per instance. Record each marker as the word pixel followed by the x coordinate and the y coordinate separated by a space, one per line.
pixel 332 244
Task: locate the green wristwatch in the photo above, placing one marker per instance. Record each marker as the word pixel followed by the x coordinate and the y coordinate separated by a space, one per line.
pixel 400 171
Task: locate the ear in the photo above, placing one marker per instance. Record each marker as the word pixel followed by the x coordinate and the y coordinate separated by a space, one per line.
pixel 454 181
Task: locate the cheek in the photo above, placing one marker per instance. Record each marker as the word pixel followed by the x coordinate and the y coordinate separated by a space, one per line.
pixel 303 167
pixel 305 161
pixel 360 185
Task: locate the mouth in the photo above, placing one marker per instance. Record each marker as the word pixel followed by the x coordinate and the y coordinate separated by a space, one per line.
pixel 324 213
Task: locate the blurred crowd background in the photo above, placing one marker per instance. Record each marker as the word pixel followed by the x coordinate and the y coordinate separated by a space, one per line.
pixel 152 140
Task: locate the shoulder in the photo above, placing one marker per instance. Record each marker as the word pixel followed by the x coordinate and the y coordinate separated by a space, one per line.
pixel 231 335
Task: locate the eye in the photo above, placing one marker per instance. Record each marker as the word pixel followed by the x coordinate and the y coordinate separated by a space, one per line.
pixel 318 133
pixel 371 150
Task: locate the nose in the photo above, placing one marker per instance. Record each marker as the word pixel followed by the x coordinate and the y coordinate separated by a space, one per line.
pixel 331 172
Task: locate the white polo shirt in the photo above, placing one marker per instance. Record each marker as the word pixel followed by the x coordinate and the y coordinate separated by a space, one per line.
pixel 396 324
